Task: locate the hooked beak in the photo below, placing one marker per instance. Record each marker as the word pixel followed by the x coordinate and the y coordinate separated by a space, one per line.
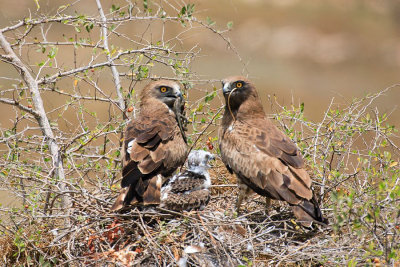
pixel 226 88
pixel 179 94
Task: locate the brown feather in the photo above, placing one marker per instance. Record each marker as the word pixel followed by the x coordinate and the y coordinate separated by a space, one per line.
pixel 148 165
pixel 152 194
pixel 138 153
pixel 153 142
pixel 119 202
pixel 147 135
pixel 180 202
pixel 261 155
pixel 158 154
pixel 183 185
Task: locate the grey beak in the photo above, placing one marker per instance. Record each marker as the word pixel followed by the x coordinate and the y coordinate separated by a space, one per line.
pixel 179 94
pixel 226 88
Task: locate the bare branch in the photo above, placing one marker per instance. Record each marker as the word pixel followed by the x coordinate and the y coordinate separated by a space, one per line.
pixel 114 70
pixel 43 121
pixel 20 106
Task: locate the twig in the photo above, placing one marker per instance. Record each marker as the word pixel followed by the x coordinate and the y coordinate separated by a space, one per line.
pixel 117 82
pixel 42 119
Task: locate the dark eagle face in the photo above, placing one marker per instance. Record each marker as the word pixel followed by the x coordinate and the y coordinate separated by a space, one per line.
pixel 168 92
pixel 236 90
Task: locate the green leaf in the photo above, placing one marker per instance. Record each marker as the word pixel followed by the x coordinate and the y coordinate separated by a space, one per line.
pixel 114 8
pixel 187 10
pixel 229 25
pixel 37 5
pixel 52 52
pixel 210 97
pixel 89 27
pixel 143 72
pixel 210 22
pixel 183 11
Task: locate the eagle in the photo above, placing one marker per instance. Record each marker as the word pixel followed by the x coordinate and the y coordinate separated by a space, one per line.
pixel 263 158
pixel 188 190
pixel 154 144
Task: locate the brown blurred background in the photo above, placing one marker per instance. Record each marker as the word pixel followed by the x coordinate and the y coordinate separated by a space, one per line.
pixel 308 51
pixel 311 50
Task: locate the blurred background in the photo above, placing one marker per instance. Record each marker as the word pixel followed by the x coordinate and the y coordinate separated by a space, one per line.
pixel 302 51
pixel 311 51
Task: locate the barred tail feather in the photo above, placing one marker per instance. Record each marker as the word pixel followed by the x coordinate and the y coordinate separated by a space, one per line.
pixel 308 211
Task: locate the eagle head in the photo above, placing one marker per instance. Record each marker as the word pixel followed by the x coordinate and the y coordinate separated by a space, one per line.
pixel 198 159
pixel 168 92
pixel 236 90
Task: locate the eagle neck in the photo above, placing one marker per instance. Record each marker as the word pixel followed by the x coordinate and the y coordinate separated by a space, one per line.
pixel 152 104
pixel 251 108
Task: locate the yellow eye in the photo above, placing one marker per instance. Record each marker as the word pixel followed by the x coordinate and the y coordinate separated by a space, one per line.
pixel 239 84
pixel 163 89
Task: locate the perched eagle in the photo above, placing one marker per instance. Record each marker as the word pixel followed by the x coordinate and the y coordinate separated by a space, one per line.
pixel 263 158
pixel 154 144
pixel 189 190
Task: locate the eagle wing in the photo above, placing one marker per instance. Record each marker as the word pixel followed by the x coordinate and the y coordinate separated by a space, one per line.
pixel 197 199
pixel 266 160
pixel 153 145
pixel 274 142
pixel 186 182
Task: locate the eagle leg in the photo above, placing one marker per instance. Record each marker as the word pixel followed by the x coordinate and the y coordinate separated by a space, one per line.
pixel 244 192
pixel 239 201
pixel 268 202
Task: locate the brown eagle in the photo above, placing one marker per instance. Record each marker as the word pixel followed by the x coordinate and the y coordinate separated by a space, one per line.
pixel 263 158
pixel 154 144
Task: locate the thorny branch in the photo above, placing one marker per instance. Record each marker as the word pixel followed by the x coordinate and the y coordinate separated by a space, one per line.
pixel 41 117
pixel 114 70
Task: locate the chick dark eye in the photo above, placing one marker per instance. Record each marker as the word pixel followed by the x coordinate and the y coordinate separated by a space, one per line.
pixel 163 89
pixel 239 84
